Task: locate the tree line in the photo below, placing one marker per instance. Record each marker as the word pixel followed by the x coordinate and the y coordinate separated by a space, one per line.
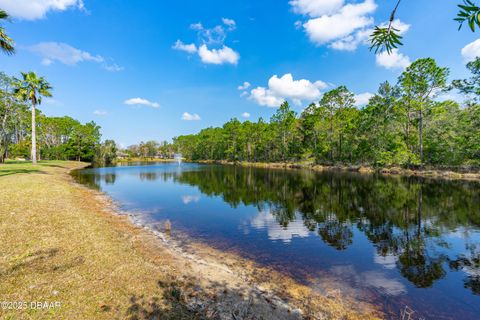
pixel 403 124
pixel 52 138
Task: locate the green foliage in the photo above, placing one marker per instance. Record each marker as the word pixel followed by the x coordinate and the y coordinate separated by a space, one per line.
pixel 57 138
pixel 469 13
pixel 106 153
pixel 402 125
pixel 6 43
pixel 388 38
pixel 385 39
pixel 471 86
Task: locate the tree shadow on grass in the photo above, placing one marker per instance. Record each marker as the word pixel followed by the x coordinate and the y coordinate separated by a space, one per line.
pixel 12 171
pixel 182 299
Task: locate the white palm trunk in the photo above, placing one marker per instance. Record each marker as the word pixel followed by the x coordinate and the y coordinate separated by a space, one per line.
pixel 34 136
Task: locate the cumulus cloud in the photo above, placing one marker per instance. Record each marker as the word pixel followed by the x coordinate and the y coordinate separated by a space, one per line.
pixel 141 102
pixel 316 8
pixel 265 97
pixel 211 46
pixel 244 86
pixel 471 51
pixel 66 54
pixel 218 56
pixel 100 112
pixel 324 28
pixel 394 60
pixel 37 9
pixel 280 89
pixel 190 48
pixel 340 25
pixel 363 98
pixel 190 117
pixel 245 115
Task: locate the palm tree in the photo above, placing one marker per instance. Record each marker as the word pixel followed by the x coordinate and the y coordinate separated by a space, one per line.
pixel 6 43
pixel 32 88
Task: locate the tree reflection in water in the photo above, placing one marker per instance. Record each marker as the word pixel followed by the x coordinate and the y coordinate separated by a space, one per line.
pixel 405 218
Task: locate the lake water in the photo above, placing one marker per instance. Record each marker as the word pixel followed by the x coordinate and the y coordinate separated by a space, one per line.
pixel 395 241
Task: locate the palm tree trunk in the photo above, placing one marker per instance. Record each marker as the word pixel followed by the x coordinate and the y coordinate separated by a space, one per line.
pixel 34 136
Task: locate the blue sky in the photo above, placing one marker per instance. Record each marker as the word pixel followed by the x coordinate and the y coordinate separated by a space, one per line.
pixel 152 69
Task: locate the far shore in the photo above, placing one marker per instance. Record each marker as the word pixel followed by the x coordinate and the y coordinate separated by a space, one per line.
pixel 67 243
pixel 437 173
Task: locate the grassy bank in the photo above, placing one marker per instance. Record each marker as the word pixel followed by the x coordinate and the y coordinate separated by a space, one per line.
pixel 447 173
pixel 65 245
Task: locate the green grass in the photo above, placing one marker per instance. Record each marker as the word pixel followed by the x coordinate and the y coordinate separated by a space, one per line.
pixel 12 167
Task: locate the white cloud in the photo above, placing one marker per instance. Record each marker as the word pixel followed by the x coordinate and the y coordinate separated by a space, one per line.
pixel 295 89
pixel 265 97
pixel 362 36
pixel 316 8
pixel 215 35
pixel 344 22
pixel 190 48
pixel 218 56
pixel 64 53
pixel 211 48
pixel 141 102
pixel 244 86
pixel 186 199
pixel 352 41
pixel 37 9
pixel 230 23
pixel 471 51
pixel 394 60
pixel 100 112
pixel 196 26
pixel 113 67
pixel 388 261
pixel 265 220
pixel 401 26
pixel 280 89
pixel 190 116
pixel 363 98
pixel 246 115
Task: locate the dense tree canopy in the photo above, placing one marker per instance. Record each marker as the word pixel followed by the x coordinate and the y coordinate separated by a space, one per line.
pixel 403 124
pixel 61 138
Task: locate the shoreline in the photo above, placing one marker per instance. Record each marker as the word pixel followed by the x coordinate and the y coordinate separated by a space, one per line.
pixel 392 171
pixel 124 268
pixel 433 173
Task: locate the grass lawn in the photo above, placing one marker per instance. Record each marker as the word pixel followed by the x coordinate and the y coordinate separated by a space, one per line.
pixel 60 246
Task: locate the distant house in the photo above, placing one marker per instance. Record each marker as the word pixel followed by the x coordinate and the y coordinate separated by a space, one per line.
pixel 122 155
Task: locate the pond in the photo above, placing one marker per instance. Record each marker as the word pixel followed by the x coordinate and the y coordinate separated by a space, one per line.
pixel 394 241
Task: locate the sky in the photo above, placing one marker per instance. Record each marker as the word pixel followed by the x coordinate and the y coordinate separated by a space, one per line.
pixel 156 69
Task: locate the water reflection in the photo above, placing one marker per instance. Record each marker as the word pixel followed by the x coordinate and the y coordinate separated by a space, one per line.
pixel 426 231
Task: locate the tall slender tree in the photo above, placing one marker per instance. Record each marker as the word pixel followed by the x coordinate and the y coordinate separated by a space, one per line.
pixel 6 43
pixel 420 83
pixel 32 88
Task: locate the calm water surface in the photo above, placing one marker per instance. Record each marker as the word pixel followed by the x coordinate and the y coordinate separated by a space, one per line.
pixel 394 241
